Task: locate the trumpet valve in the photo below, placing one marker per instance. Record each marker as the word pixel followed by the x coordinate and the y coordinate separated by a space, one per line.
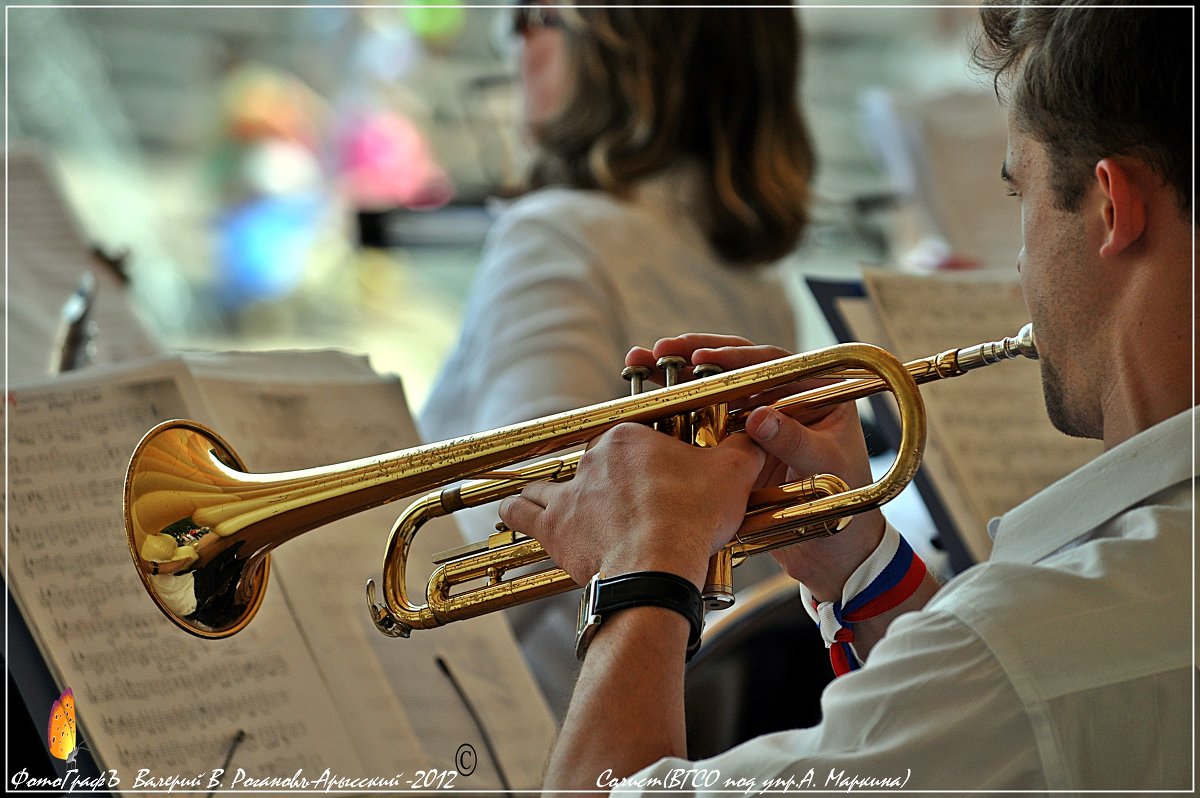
pixel 675 426
pixel 709 424
pixel 671 366
pixel 718 582
pixel 636 377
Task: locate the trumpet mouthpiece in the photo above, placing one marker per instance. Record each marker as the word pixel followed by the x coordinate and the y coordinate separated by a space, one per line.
pixel 1023 344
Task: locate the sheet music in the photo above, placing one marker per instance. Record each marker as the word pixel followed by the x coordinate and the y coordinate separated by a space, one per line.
pixel 276 366
pixel 277 425
pixel 993 439
pixel 148 696
pixel 956 131
pixel 863 319
pixel 288 427
pixel 38 211
pixel 310 680
pixel 46 257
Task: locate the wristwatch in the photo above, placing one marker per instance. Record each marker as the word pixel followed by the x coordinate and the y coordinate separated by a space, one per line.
pixel 604 596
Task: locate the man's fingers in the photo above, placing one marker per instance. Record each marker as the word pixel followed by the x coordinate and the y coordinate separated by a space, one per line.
pixel 688 343
pixel 683 345
pixel 726 351
pixel 750 458
pixel 734 357
pixel 540 493
pixel 640 356
pixel 519 513
pixel 778 435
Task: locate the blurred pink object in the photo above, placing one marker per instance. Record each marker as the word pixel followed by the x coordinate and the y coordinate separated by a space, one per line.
pixel 957 262
pixel 934 254
pixel 385 162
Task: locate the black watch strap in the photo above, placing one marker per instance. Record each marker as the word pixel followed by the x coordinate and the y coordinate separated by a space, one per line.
pixel 604 596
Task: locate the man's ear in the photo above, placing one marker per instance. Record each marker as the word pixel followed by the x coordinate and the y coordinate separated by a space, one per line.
pixel 1124 206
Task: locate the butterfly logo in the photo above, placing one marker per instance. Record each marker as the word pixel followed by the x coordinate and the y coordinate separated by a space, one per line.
pixel 62 732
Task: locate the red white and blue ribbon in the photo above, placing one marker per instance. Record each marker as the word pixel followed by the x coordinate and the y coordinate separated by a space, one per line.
pixel 884 580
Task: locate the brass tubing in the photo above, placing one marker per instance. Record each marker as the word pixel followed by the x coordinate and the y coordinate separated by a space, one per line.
pixel 398 615
pixel 810 506
pixel 859 384
pixel 199 527
pixel 709 426
pixel 763 530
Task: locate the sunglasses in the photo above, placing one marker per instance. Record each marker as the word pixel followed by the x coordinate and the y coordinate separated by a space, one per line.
pixel 527 20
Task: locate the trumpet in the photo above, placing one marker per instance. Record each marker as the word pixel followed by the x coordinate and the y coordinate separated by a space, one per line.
pixel 200 527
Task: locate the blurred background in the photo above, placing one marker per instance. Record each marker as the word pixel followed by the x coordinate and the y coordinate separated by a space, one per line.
pixel 315 176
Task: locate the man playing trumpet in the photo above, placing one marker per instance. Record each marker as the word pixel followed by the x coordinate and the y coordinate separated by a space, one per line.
pixel 1064 662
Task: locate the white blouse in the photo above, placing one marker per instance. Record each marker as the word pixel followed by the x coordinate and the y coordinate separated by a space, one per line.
pixel 570 280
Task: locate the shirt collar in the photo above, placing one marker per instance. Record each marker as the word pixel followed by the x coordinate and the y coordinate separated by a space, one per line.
pixel 1136 469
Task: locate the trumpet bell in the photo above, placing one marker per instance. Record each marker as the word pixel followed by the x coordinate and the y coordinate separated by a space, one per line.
pixel 180 474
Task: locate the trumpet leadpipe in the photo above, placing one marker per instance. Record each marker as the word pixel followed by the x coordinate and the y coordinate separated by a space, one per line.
pixel 856 384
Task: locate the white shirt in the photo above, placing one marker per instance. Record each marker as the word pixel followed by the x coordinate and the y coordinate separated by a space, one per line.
pixel 1063 663
pixel 569 281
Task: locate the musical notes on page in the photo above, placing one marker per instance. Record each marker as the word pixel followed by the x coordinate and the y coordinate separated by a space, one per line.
pixel 281 426
pixel 415 712
pixel 149 695
pixel 310 681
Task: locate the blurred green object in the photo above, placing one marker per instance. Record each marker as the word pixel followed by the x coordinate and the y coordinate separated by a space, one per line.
pixel 438 22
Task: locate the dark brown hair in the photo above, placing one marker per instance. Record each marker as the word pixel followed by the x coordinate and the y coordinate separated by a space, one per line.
pixel 717 87
pixel 1092 81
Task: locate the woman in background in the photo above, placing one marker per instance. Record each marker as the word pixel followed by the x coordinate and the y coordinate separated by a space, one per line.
pixel 671 166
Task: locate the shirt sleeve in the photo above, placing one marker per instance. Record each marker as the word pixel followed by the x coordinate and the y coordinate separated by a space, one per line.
pixel 932 709
pixel 543 329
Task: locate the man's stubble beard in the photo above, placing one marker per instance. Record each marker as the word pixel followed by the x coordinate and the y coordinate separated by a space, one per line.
pixel 1058 407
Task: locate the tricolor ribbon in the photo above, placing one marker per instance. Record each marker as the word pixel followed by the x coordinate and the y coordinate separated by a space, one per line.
pixel 882 582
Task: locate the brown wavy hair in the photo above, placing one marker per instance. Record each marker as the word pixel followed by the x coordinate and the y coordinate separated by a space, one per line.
pixel 718 87
pixel 1089 81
